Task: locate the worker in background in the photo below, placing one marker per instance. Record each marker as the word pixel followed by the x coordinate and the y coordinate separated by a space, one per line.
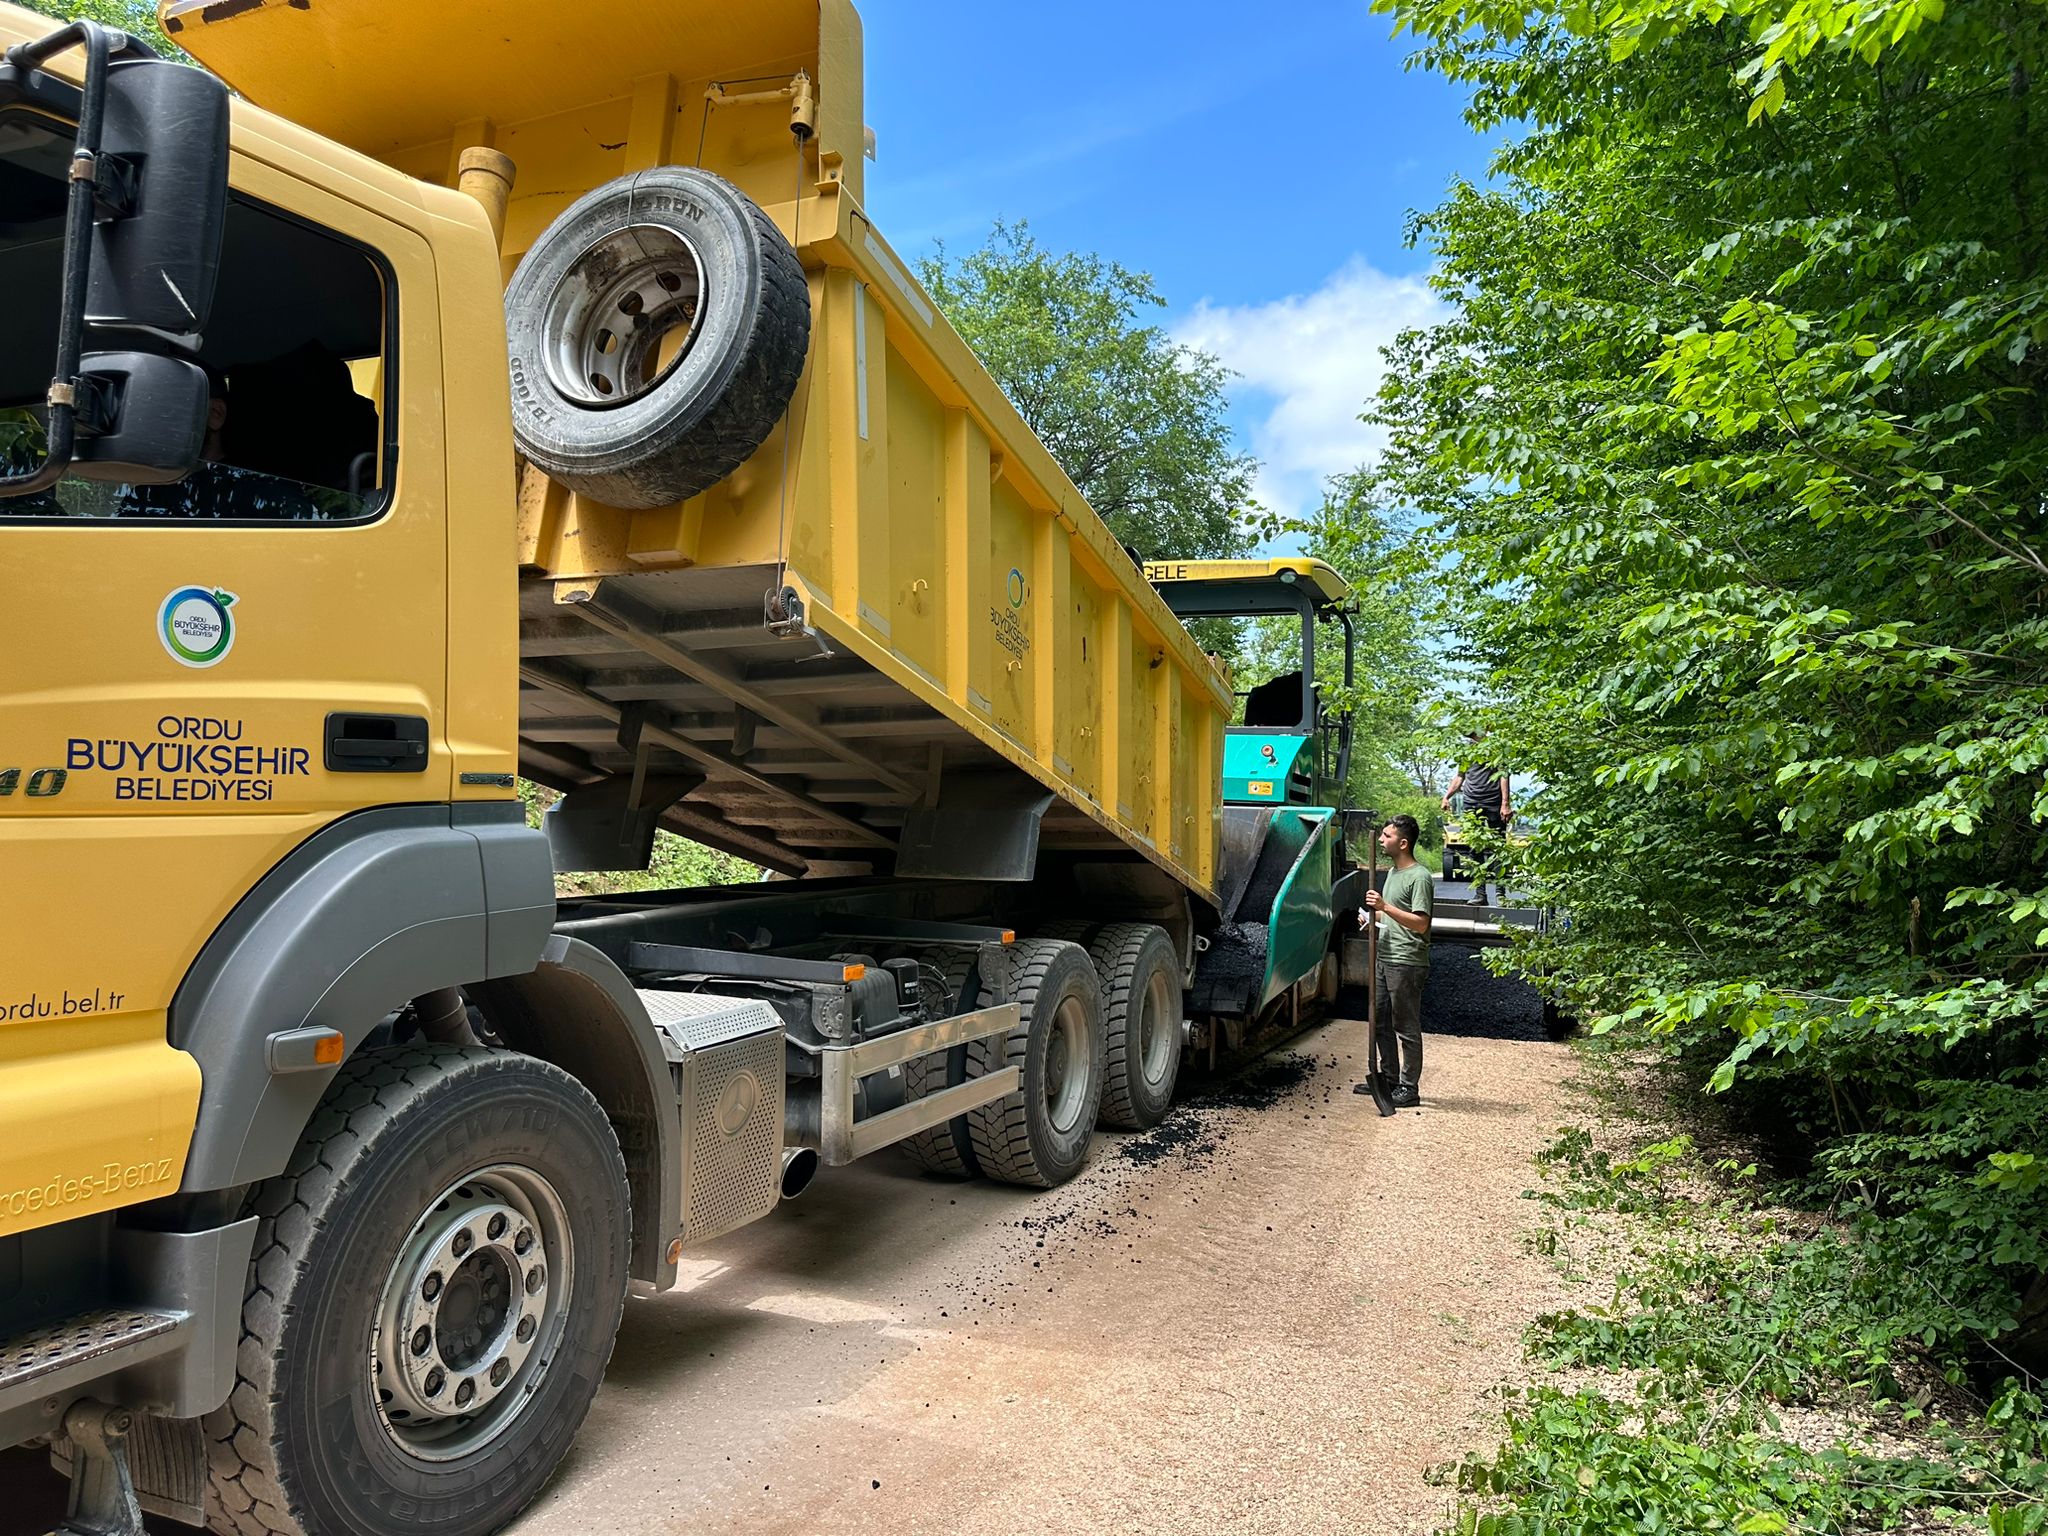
pixel 1404 907
pixel 1485 788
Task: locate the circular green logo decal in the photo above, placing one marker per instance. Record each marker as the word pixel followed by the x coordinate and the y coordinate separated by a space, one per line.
pixel 195 625
pixel 1016 587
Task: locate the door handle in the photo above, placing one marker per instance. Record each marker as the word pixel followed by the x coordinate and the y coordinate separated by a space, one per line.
pixel 376 743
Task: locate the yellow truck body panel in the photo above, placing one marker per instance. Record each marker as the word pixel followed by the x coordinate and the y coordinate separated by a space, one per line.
pixel 168 790
pixel 967 608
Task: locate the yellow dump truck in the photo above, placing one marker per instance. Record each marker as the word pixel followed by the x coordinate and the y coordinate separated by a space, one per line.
pixel 509 388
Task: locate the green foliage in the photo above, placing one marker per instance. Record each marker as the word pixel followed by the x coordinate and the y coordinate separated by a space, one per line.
pixel 135 17
pixel 1397 745
pixel 1136 421
pixel 1734 457
pixel 677 863
pixel 1721 1315
pixel 21 440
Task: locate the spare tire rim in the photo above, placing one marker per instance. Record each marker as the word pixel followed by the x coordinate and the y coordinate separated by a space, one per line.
pixel 1157 1028
pixel 631 297
pixel 1068 1063
pixel 473 1312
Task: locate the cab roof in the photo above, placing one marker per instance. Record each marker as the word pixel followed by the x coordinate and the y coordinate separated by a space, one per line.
pixel 1325 585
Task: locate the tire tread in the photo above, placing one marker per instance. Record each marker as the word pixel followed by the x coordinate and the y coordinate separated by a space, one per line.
pixel 367 1098
pixel 1001 1130
pixel 1117 951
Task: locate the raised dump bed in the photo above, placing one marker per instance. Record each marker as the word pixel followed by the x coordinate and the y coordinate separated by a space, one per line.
pixel 895 638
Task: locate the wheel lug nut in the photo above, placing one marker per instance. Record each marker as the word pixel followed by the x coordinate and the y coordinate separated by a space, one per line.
pixel 463 1243
pixel 422 1339
pixel 466 1393
pixel 525 1329
pixel 432 1288
pixel 497 1227
pixel 536 1277
pixel 436 1380
pixel 499 1371
pixel 523 1243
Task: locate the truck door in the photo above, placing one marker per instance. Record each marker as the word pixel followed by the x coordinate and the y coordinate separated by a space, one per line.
pixel 196 677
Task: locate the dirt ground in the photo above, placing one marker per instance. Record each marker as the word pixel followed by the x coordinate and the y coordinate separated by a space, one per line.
pixel 1272 1314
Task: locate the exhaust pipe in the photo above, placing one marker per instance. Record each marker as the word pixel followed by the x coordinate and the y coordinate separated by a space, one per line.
pixel 799 1167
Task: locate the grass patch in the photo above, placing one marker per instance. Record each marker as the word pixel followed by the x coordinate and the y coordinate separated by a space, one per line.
pixel 1739 1365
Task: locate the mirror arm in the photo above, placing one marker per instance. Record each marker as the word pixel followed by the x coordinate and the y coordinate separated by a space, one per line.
pixel 82 206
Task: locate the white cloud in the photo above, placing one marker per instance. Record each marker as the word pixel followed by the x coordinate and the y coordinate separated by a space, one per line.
pixel 1306 365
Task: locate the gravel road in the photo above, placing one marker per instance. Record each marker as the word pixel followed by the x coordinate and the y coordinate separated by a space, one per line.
pixel 1271 1314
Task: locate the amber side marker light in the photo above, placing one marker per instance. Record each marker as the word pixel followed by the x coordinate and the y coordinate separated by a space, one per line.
pixel 853 973
pixel 327 1051
pixel 1009 935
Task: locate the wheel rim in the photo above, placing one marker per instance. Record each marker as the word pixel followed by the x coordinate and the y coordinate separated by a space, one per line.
pixel 632 297
pixel 1157 1028
pixel 474 1307
pixel 1068 1064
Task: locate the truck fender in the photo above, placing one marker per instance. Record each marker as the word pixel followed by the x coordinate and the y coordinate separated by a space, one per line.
pixel 365 915
pixel 577 1010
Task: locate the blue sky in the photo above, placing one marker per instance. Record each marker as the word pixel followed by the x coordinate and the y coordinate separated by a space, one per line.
pixel 1259 161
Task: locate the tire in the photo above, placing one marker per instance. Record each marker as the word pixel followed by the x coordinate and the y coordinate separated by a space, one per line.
pixel 1139 973
pixel 1042 1133
pixel 409 1150
pixel 673 248
pixel 1557 1024
pixel 948 1148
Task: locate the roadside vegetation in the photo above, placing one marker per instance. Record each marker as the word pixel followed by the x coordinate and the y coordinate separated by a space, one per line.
pixel 677 863
pixel 1732 467
pixel 1751 1356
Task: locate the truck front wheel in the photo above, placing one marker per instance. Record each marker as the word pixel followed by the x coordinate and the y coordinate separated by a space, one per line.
pixel 439 1275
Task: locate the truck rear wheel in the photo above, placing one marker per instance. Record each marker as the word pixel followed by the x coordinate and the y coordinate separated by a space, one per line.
pixel 1141 1015
pixel 439 1275
pixel 1141 1018
pixel 657 330
pixel 1042 1133
pixel 946 1148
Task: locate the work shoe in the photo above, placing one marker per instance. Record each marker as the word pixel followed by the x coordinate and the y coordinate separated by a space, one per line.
pixel 1405 1098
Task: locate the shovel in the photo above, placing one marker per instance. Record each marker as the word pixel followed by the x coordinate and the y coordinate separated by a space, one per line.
pixel 1375 1077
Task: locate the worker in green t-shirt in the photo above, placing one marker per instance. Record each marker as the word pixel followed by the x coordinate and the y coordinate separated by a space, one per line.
pixel 1404 905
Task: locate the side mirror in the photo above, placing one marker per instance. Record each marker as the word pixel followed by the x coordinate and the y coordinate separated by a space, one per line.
pixel 145 420
pixel 145 208
pixel 156 266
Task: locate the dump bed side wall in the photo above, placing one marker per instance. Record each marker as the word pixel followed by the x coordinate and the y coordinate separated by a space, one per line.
pixel 930 532
pixel 934 553
pixel 933 536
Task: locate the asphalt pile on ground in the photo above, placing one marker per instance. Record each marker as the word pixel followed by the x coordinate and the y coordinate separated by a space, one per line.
pixel 1464 998
pixel 1192 1131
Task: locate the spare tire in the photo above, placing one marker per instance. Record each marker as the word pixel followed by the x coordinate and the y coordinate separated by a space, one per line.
pixel 657 330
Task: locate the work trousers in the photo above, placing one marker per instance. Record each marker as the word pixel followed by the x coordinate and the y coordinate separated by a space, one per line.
pixel 1400 1020
pixel 1489 866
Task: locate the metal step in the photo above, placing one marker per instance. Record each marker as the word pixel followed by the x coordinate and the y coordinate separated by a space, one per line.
pixel 60 1349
